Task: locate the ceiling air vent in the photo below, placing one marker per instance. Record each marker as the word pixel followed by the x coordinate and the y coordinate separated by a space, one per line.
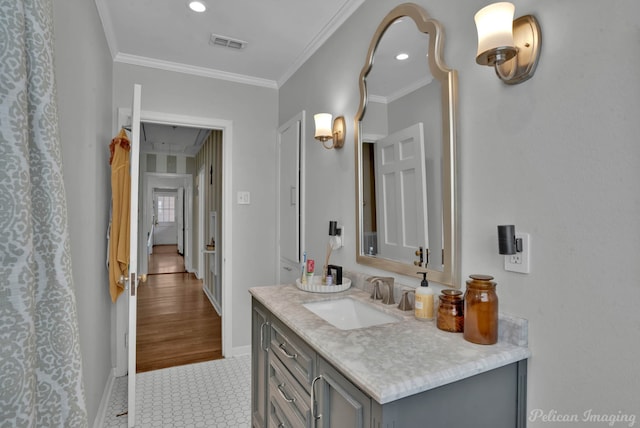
pixel 226 42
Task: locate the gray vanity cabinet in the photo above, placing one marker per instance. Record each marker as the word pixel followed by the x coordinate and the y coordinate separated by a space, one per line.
pixel 281 393
pixel 339 402
pixel 293 386
pixel 495 399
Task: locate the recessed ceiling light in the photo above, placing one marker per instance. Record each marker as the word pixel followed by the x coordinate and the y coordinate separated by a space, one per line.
pixel 402 56
pixel 197 6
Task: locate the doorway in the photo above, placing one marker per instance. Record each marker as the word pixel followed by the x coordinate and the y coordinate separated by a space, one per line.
pixel 176 320
pixel 224 247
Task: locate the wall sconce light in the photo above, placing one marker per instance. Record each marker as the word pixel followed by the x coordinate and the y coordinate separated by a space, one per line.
pixel 326 131
pixel 512 47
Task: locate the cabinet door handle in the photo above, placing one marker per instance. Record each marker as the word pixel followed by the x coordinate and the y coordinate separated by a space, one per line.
pixel 286 352
pixel 264 348
pixel 284 394
pixel 287 268
pixel 313 398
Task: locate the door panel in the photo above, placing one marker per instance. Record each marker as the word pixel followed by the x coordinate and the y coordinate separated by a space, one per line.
pixel 401 193
pixel 180 220
pixel 289 193
pixel 133 251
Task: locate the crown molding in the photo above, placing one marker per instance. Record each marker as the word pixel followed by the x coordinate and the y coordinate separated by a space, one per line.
pixel 193 70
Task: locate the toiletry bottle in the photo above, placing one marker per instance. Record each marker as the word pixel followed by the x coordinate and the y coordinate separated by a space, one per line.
pixel 303 276
pixel 424 300
pixel 311 266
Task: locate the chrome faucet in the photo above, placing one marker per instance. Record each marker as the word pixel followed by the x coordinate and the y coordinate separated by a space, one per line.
pixel 388 299
pixel 375 293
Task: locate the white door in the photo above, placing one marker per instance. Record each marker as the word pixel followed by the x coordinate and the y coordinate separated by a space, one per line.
pixel 401 193
pixel 289 192
pixel 180 220
pixel 188 229
pixel 201 219
pixel 133 250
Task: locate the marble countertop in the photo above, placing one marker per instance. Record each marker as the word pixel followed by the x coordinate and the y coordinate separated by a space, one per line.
pixel 393 361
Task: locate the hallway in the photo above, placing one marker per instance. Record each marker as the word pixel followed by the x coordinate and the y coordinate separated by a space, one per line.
pixel 177 324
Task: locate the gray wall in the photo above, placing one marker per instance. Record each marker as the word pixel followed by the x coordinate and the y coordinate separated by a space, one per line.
pixel 253 111
pixel 557 156
pixel 83 73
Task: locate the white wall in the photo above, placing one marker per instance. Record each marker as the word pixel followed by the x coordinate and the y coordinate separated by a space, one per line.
pixel 83 73
pixel 558 156
pixel 253 111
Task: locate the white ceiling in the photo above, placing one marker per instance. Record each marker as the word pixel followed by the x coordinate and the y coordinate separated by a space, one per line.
pixel 174 140
pixel 280 36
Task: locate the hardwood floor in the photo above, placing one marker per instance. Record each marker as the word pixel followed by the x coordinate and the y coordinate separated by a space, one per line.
pixel 176 322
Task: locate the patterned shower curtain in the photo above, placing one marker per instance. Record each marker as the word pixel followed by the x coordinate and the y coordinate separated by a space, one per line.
pixel 40 365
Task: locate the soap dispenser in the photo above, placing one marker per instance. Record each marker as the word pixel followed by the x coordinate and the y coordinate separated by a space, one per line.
pixel 424 300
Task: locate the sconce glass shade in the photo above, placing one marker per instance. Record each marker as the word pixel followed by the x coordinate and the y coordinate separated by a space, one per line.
pixel 323 126
pixel 495 34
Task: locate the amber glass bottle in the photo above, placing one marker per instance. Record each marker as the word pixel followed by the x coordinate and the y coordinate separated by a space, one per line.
pixel 481 310
pixel 451 311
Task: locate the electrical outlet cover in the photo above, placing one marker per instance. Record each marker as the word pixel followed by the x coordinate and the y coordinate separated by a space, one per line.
pixel 520 262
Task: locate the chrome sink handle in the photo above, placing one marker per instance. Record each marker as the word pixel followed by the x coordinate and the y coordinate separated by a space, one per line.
pixel 405 303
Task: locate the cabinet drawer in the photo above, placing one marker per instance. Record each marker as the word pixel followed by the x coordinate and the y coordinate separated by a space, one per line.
pixel 288 400
pixel 277 418
pixel 296 355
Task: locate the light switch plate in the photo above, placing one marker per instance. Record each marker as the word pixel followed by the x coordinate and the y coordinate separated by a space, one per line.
pixel 244 198
pixel 520 262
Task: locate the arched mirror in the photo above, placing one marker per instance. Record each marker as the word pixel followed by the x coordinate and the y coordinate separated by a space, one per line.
pixel 406 150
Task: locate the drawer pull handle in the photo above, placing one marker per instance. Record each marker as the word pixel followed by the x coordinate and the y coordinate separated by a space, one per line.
pixel 286 352
pixel 313 403
pixel 284 395
pixel 262 326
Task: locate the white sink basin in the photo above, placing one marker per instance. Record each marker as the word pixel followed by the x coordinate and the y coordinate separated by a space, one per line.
pixel 348 314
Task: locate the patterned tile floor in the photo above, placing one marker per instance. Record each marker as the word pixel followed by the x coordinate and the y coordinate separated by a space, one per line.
pixel 211 394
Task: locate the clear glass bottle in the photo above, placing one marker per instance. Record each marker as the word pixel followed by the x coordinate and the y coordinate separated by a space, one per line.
pixel 451 311
pixel 481 310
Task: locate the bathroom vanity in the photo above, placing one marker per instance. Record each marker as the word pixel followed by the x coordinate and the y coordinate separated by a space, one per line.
pixel 306 372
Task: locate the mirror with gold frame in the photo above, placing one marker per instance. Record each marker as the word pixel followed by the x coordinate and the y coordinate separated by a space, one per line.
pixel 406 200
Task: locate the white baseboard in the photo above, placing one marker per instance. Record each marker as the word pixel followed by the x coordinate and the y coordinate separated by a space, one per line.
pixel 239 351
pixel 98 422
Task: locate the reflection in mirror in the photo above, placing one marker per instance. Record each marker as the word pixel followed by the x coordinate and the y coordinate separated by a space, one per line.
pixel 405 147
